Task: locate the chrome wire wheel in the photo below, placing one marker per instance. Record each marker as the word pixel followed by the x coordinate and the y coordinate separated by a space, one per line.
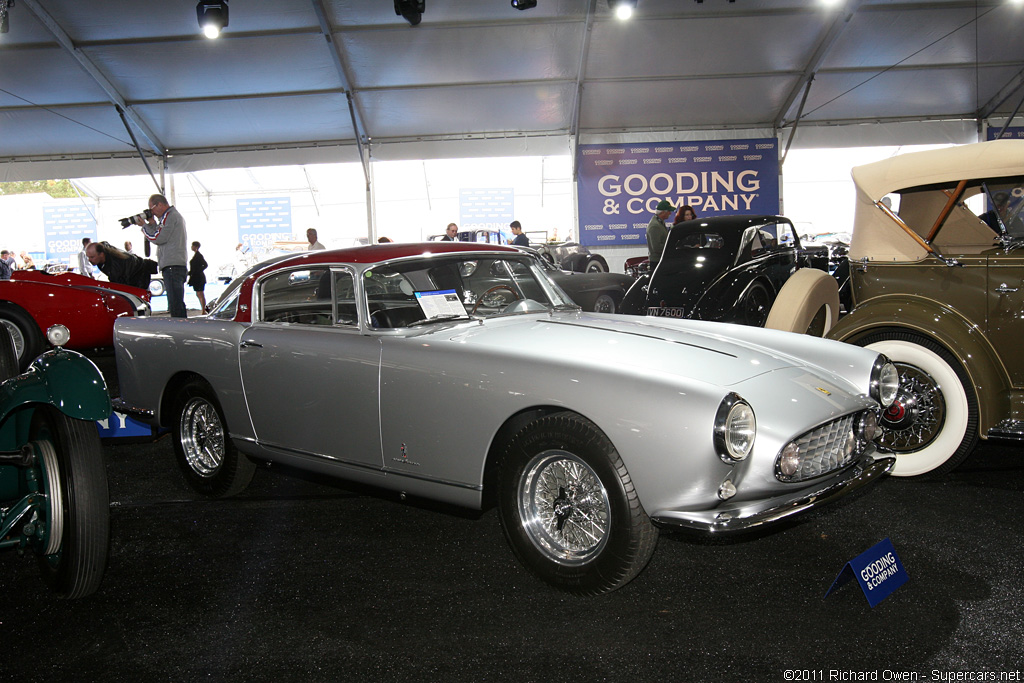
pixel 54 494
pixel 917 414
pixel 564 508
pixel 201 435
pixel 16 334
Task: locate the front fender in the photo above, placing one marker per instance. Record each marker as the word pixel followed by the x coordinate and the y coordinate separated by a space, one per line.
pixel 945 326
pixel 68 381
pixel 635 301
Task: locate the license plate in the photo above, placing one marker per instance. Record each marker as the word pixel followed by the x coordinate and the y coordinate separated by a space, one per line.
pixel 666 312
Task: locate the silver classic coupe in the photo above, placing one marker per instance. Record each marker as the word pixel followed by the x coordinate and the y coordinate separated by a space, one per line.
pixel 459 372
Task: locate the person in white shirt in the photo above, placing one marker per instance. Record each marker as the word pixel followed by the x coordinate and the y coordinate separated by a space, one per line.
pixel 84 267
pixel 313 242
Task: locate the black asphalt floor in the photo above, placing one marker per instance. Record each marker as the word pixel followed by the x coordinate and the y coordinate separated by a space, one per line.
pixel 300 579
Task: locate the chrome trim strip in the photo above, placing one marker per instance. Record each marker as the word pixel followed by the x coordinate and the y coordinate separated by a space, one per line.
pixel 361 466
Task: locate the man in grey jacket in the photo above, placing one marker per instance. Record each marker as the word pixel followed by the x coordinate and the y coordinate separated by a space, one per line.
pixel 657 232
pixel 166 229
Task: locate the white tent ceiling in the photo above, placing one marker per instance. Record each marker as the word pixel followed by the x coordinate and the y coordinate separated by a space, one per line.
pixel 302 81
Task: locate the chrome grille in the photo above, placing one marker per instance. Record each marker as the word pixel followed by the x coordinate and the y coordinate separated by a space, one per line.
pixel 821 450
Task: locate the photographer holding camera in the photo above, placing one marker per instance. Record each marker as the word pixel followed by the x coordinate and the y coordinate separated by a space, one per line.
pixel 172 256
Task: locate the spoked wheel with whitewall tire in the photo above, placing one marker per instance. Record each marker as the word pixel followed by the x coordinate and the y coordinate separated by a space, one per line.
pixel 207 457
pixel 604 304
pixel 569 509
pixel 932 426
pixel 28 340
pixel 75 534
pixel 595 265
pixel 754 305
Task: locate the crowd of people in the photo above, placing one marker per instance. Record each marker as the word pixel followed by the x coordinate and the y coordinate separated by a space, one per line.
pixel 11 261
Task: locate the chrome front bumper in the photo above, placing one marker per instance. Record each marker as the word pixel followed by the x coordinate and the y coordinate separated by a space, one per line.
pixel 748 515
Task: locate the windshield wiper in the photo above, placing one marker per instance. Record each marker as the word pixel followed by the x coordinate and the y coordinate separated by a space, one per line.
pixel 440 319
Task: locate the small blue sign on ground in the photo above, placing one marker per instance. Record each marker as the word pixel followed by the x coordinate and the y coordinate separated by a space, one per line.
pixel 878 570
pixel 119 426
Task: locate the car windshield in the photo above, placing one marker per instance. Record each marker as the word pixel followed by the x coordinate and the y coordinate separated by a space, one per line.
pixel 441 288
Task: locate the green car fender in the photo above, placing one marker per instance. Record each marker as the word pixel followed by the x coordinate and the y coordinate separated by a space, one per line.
pixel 945 326
pixel 66 380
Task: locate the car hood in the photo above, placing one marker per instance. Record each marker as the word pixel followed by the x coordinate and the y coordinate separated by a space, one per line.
pixel 681 280
pixel 715 353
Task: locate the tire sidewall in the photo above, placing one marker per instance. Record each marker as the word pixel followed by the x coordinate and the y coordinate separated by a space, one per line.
pixel 32 338
pixel 954 441
pixel 77 569
pixel 8 355
pixel 749 296
pixel 234 471
pixel 553 434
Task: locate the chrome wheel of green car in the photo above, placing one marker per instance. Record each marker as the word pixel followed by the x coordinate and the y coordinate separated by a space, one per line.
pixel 207 456
pixel 568 507
pixel 72 531
pixel 564 507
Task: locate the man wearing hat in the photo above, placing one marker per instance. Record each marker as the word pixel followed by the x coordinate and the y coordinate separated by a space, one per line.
pixel 657 232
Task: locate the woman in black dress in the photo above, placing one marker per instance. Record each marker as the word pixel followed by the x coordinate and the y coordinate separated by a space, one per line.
pixel 197 276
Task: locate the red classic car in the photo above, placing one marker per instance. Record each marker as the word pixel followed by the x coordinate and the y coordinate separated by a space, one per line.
pixel 33 300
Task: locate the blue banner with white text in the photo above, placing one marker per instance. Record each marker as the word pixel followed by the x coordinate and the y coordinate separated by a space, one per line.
pixel 64 226
pixel 263 221
pixel 619 185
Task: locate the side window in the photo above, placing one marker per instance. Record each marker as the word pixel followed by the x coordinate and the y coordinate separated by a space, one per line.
pixel 226 310
pixel 345 299
pixel 785 235
pixel 297 297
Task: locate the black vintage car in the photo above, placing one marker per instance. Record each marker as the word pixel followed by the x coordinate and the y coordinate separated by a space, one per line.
pixel 725 268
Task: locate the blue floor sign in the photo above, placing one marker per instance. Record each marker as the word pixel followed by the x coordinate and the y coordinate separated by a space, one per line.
pixel 119 425
pixel 878 570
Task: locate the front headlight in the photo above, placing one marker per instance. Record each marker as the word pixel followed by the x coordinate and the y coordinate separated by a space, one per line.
pixel 885 381
pixel 58 335
pixel 735 429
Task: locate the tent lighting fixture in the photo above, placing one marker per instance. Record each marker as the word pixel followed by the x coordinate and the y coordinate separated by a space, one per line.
pixel 623 8
pixel 524 4
pixel 5 5
pixel 411 10
pixel 212 16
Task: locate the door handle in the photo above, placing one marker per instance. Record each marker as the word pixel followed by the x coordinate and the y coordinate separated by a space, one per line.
pixel 1003 289
pixel 246 344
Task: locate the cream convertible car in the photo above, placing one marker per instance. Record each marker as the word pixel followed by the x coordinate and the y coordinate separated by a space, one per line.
pixel 459 372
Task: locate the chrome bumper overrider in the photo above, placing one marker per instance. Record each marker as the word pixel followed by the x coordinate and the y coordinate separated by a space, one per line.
pixel 749 514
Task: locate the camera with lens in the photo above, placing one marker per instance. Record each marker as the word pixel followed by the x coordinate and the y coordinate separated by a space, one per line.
pixel 137 219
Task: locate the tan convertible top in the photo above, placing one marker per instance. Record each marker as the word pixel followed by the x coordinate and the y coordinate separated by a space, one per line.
pixel 876 235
